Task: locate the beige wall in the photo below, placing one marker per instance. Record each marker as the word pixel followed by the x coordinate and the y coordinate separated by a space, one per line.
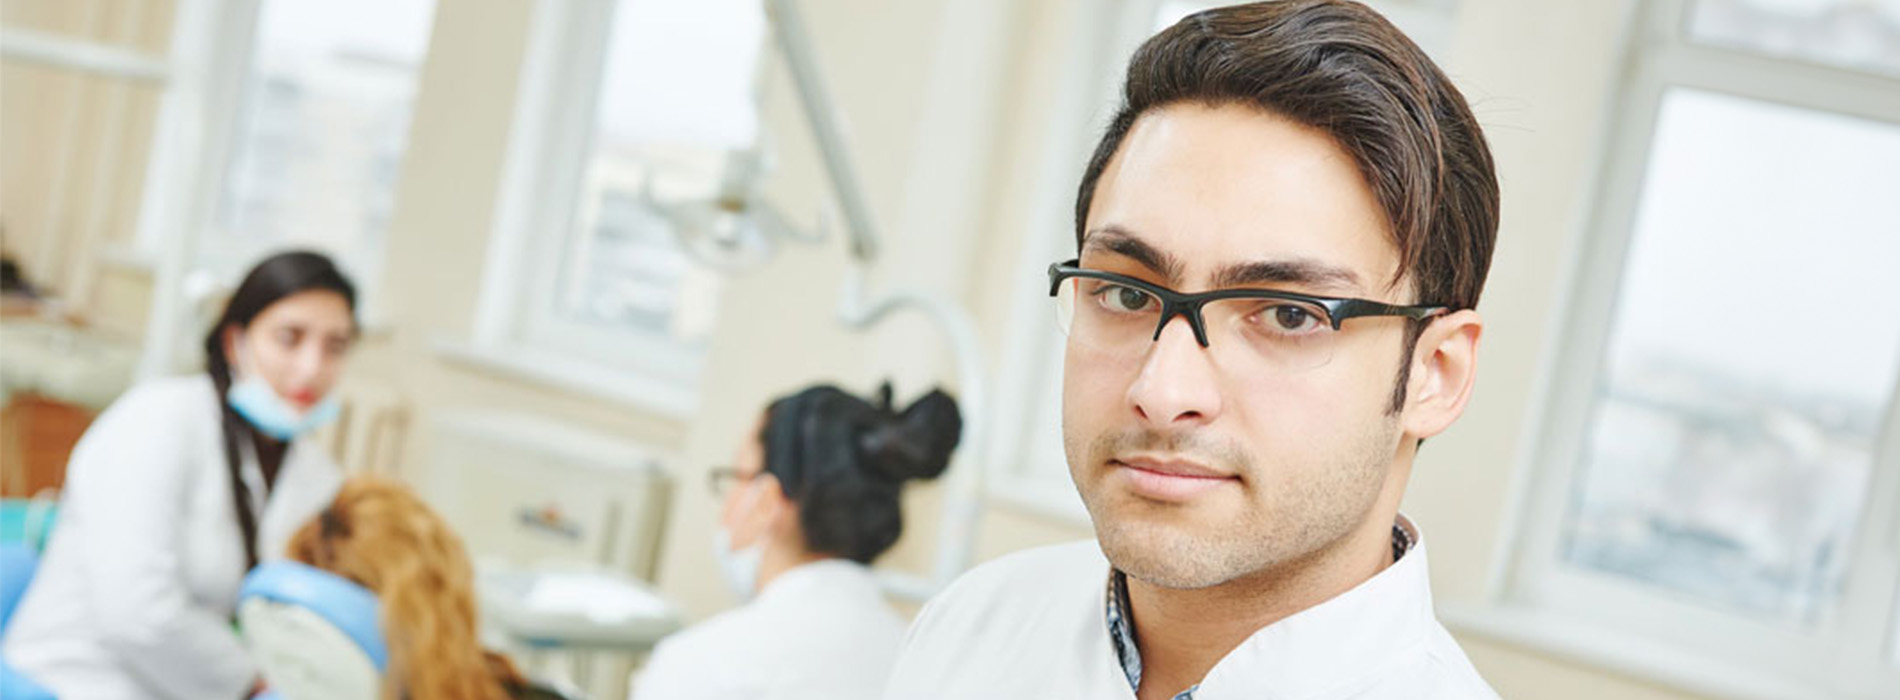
pixel 945 103
pixel 58 220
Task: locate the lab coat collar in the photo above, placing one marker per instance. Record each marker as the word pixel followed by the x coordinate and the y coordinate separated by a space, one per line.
pixel 1352 639
pixel 825 577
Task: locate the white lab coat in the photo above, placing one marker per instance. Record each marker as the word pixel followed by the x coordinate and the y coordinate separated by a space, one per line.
pixel 1034 625
pixel 821 631
pixel 135 593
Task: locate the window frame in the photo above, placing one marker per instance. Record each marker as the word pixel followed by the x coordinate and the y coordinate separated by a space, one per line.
pixel 1022 476
pixel 549 150
pixel 217 86
pixel 1623 624
pixel 207 59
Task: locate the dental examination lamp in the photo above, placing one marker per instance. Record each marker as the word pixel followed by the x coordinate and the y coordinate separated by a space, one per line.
pixel 740 229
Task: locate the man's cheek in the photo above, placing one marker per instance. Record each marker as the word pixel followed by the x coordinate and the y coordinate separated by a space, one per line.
pixel 1089 398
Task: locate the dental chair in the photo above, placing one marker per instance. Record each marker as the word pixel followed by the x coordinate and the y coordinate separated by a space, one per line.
pixel 23 528
pixel 315 635
pixel 318 636
pixel 17 564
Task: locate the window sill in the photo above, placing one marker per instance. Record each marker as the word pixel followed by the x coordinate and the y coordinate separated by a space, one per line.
pixel 666 397
pixel 1571 639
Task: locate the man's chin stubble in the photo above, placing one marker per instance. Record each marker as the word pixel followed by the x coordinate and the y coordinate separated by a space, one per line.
pixel 1162 556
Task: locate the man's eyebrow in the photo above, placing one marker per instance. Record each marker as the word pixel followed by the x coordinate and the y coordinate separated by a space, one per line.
pixel 1301 272
pixel 1121 241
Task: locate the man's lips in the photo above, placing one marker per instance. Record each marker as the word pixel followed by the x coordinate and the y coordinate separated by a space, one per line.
pixel 1169 479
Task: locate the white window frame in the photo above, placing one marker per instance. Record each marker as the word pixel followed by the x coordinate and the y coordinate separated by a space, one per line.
pixel 212 47
pixel 1021 476
pixel 209 54
pixel 211 42
pixel 1623 625
pixel 229 75
pixel 549 146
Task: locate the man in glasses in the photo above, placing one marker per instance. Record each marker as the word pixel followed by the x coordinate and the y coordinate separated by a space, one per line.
pixel 1281 240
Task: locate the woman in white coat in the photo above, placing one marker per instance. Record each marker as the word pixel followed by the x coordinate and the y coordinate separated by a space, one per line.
pixel 178 489
pixel 816 499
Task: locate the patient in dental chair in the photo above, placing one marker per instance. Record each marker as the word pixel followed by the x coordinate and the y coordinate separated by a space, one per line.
pixel 378 534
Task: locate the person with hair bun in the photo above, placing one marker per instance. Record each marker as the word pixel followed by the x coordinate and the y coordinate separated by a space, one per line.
pixel 811 499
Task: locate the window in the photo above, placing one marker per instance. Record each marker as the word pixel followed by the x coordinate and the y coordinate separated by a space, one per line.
pixel 1030 468
pixel 319 137
pixel 674 99
pixel 1733 432
pixel 1718 469
pixel 237 127
pixel 1857 34
pixel 622 103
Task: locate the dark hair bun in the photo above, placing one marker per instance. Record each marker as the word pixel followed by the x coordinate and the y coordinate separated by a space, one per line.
pixel 915 444
pixel 844 461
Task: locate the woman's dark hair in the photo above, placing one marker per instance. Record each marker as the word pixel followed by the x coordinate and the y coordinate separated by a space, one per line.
pixel 844 461
pixel 277 277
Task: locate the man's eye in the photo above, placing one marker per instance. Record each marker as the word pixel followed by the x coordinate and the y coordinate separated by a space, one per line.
pixel 1123 299
pixel 1285 318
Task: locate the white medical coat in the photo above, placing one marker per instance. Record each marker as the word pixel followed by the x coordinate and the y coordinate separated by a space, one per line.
pixel 136 590
pixel 818 631
pixel 1034 625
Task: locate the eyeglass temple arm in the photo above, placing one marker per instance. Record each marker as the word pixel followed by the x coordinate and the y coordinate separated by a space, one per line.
pixel 1354 308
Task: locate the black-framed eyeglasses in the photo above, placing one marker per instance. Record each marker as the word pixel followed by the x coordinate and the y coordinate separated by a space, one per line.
pixel 722 479
pixel 1287 331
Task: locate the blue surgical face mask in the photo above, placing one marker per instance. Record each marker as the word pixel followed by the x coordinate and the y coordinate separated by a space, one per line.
pixel 255 400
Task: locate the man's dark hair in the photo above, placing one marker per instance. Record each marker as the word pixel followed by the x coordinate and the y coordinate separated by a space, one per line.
pixel 1338 66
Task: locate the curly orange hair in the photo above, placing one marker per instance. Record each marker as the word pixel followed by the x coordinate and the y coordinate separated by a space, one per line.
pixel 380 535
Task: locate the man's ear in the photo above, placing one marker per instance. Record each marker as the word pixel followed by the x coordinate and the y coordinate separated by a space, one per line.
pixel 1444 368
